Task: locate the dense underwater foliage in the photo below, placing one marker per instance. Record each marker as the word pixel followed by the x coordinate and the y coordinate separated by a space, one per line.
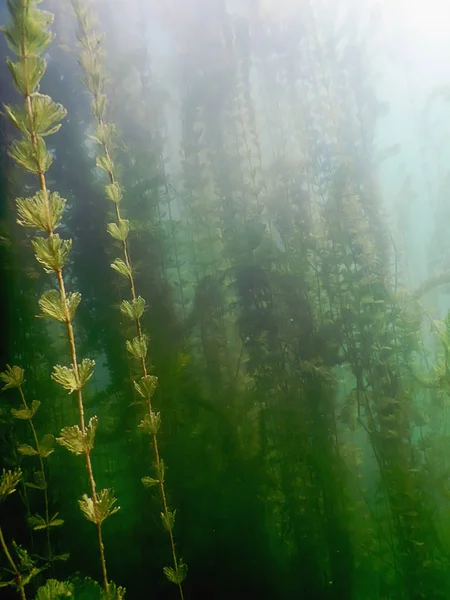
pixel 252 383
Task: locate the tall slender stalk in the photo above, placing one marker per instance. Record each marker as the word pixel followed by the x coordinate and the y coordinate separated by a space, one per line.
pixel 28 36
pixel 40 451
pixel 91 64
pixel 8 485
pixel 13 565
pixel 13 378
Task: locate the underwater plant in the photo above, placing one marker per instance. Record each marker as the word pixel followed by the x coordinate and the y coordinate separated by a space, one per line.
pixel 13 377
pixel 25 571
pixel 28 36
pixel 105 138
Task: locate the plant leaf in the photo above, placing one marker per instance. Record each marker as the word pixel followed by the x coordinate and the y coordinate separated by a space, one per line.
pixel 27 32
pixel 114 592
pixel 52 304
pixel 12 376
pixel 151 423
pixel 26 74
pixel 47 115
pixel 178 576
pixel 39 481
pixel 114 192
pixel 42 211
pixel 62 557
pixel 134 309
pixel 146 386
pixel 119 231
pixel 104 162
pixel 149 481
pixel 35 159
pixel 119 266
pixel 55 590
pixel 66 376
pixel 54 522
pixel 104 134
pixel 137 346
pixel 168 519
pixel 103 509
pixel 37 522
pixel 27 450
pixel 51 252
pixel 47 445
pixel 8 482
pixel 75 440
pixel 85 370
pixel 26 413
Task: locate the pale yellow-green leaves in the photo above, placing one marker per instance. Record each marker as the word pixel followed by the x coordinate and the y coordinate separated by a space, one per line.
pixel 47 445
pixel 115 592
pixel 149 481
pixel 75 440
pixel 26 75
pixel 38 523
pixel 177 576
pixel 91 65
pixel 146 386
pixel 27 450
pixel 99 106
pixel 51 252
pixel 160 472
pixel 100 510
pixel 43 211
pixel 45 448
pixel 67 377
pixel 151 423
pixel 45 116
pixel 105 162
pixel 134 309
pixel 119 231
pixel 104 134
pixel 52 305
pixel 8 482
pixel 114 192
pixel 54 589
pixel 26 413
pixel 137 347
pixel 119 266
pixel 168 519
pixel 12 376
pixel 27 33
pixel 35 159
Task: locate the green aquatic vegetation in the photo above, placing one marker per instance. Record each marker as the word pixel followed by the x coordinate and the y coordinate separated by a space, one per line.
pixel 28 36
pixel 78 589
pixel 90 61
pixel 13 377
pixel 382 335
pixel 295 392
pixel 22 569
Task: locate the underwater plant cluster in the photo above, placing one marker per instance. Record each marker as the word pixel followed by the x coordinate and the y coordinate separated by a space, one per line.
pixel 216 380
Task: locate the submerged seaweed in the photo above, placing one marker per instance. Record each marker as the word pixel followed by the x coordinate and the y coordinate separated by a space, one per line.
pixel 224 324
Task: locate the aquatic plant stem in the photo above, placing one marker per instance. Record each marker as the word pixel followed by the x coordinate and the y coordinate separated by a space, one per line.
pixel 16 571
pixel 44 479
pixel 71 338
pixel 165 506
pixel 91 44
pixel 25 56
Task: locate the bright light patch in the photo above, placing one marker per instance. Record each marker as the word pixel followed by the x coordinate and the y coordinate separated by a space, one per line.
pixel 430 18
